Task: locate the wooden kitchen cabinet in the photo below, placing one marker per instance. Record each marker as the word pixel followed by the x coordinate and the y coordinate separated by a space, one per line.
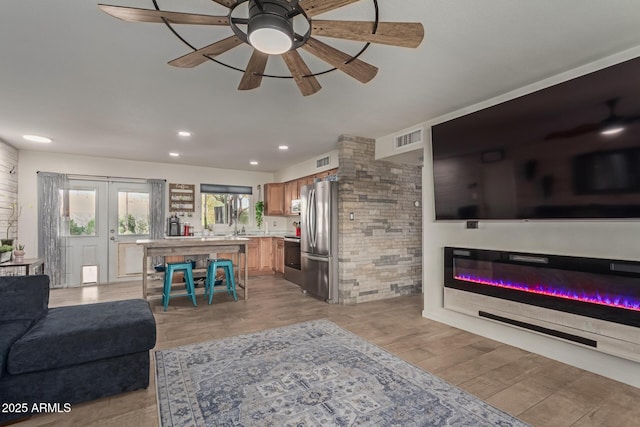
pixel 253 255
pixel 307 180
pixel 259 256
pixel 291 192
pixel 277 254
pixel 278 195
pixel 274 199
pixel 265 255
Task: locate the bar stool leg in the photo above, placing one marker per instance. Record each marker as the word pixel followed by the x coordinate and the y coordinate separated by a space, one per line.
pixel 231 283
pixel 166 290
pixel 211 280
pixel 190 285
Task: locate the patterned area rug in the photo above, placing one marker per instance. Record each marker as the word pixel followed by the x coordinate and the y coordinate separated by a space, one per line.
pixel 308 374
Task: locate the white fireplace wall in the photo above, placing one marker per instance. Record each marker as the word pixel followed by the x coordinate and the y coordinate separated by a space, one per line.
pixel 618 239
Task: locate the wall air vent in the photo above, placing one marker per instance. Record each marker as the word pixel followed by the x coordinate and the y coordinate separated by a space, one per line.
pixel 320 163
pixel 409 138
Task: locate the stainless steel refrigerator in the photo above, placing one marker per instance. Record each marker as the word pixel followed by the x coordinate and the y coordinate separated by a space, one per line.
pixel 319 240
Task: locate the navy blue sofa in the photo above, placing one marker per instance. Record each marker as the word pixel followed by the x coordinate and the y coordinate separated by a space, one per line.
pixel 66 355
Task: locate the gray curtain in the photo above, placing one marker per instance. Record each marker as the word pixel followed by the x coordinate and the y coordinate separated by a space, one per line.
pixel 52 241
pixel 156 212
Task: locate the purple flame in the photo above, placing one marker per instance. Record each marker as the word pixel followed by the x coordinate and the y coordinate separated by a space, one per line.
pixel 616 301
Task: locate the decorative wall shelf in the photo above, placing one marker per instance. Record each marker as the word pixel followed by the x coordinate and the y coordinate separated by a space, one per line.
pixel 182 197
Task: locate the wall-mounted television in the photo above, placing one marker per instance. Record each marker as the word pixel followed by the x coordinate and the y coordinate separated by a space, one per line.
pixel 571 150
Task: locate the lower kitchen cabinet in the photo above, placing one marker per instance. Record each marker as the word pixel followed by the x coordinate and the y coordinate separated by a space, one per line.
pixel 253 255
pixel 277 255
pixel 259 256
pixel 262 252
pixel 265 255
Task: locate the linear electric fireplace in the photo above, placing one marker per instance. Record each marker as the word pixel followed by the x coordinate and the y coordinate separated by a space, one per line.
pixel 588 301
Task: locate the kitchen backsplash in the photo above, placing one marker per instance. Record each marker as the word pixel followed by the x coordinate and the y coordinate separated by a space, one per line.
pixel 278 224
pixel 271 225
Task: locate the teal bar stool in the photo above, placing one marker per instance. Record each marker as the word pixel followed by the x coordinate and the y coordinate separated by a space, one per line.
pixel 210 281
pixel 171 268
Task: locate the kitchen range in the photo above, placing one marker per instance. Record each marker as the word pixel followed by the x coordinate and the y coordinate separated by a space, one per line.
pixel 292 265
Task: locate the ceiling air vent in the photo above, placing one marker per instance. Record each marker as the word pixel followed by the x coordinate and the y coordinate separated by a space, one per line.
pixel 320 163
pixel 410 138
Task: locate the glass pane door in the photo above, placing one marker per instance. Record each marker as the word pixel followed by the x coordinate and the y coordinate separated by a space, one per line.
pixel 84 210
pixel 128 222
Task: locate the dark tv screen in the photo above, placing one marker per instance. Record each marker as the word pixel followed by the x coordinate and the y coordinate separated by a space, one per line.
pixel 571 150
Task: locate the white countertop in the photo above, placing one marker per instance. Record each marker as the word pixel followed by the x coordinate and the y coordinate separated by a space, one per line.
pixel 216 236
pixel 188 240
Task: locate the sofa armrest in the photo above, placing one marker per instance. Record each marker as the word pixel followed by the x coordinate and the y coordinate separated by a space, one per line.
pixel 23 297
pixel 9 333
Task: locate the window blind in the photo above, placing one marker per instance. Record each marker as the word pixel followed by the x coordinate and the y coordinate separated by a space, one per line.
pixel 225 189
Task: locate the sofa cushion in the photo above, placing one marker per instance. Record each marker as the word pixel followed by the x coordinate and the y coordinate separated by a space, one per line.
pixel 9 333
pixel 23 297
pixel 84 333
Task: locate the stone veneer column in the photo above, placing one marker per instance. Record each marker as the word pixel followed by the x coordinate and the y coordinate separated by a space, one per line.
pixel 380 251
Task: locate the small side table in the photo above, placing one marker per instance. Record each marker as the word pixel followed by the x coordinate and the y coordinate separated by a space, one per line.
pixel 31 266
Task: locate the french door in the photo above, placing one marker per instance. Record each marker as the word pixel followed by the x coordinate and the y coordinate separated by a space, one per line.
pixel 103 221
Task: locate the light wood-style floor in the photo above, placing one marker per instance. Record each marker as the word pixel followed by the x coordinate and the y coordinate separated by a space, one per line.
pixel 537 390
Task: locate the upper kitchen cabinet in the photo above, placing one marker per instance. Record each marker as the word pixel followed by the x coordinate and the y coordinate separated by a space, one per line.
pixel 291 192
pixel 274 199
pixel 307 180
pixel 278 195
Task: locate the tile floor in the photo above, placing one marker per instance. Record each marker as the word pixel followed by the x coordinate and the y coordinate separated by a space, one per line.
pixel 537 390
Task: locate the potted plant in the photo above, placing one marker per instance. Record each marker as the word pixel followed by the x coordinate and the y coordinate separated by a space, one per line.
pixel 259 211
pixel 18 253
pixel 5 252
pixel 259 207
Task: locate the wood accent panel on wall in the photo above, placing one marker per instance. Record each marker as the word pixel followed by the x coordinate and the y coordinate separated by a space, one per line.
pixel 8 187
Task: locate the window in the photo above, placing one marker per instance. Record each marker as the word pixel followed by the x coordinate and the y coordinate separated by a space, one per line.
pixel 133 213
pixel 220 209
pixel 81 212
pixel 224 204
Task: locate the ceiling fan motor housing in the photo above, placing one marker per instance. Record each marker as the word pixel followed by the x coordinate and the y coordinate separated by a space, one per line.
pixel 270 30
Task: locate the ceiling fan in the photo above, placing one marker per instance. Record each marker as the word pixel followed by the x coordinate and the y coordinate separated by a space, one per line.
pixel 281 27
pixel 611 125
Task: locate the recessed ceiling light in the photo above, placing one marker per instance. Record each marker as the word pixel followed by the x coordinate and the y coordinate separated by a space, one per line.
pixel 184 133
pixel 174 154
pixel 283 147
pixel 36 138
pixel 253 162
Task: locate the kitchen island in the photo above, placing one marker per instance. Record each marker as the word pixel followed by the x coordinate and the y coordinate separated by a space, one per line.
pixel 197 246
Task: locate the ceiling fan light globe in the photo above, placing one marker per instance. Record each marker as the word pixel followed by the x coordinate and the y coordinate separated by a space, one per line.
pixel 270 31
pixel 270 40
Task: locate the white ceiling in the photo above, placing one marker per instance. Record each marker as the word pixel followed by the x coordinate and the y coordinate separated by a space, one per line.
pixel 102 87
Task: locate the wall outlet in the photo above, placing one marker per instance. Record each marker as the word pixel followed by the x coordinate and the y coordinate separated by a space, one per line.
pixel 472 225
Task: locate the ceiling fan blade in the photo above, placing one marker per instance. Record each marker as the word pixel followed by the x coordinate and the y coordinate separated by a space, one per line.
pixel 252 76
pixel 226 3
pixel 307 85
pixel 317 7
pixel 576 131
pixel 197 57
pixel 359 70
pixel 404 34
pixel 134 14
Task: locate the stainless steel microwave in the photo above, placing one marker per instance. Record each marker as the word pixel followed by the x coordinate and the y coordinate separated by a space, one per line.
pixel 296 206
